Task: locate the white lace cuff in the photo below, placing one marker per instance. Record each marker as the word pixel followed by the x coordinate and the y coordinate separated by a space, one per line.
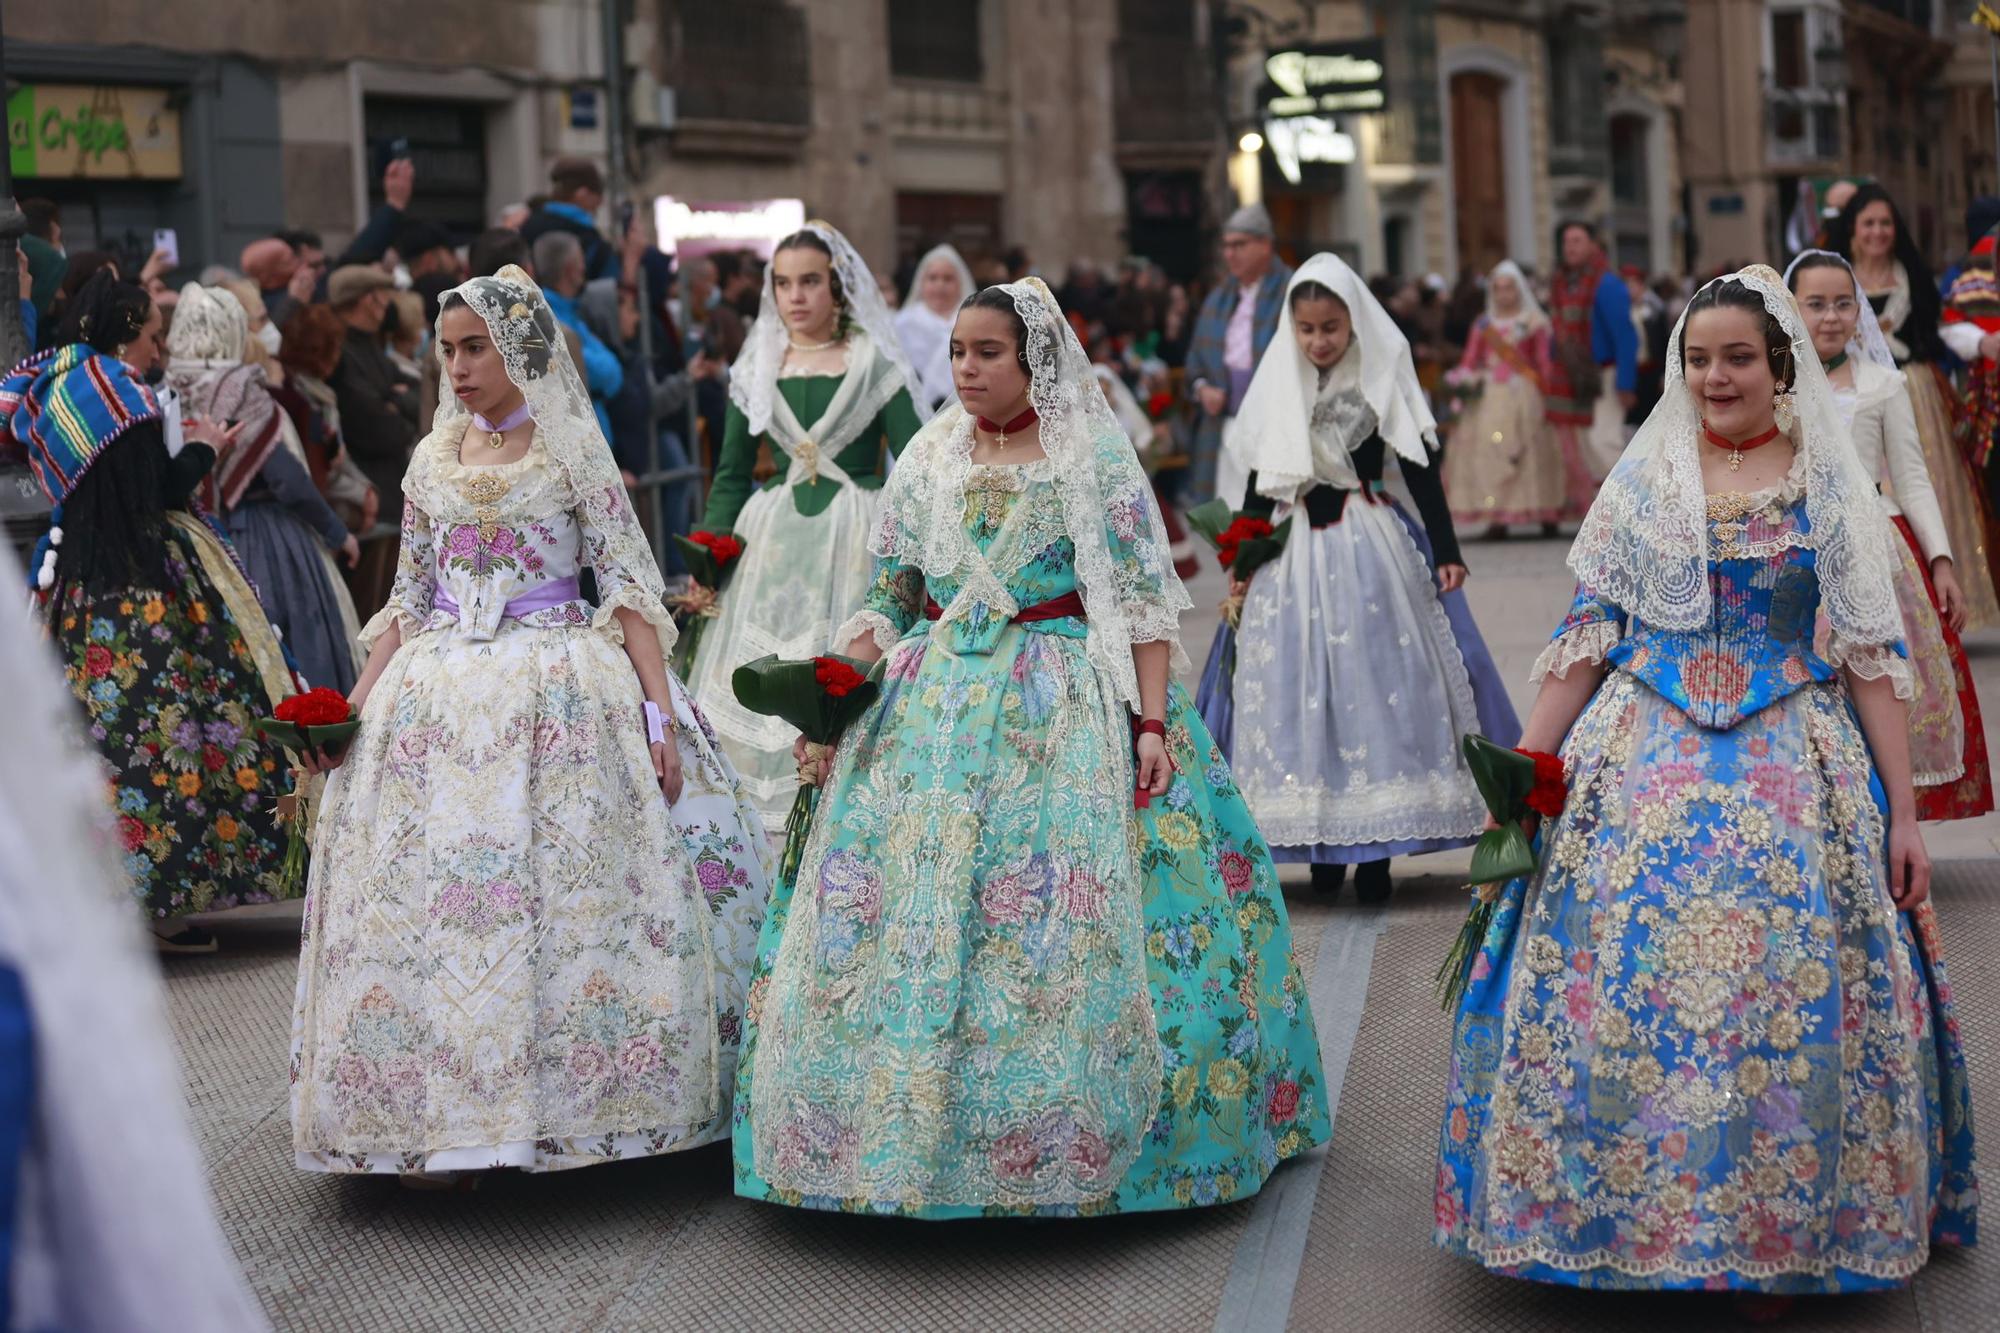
pixel 1873 661
pixel 874 623
pixel 396 614
pixel 1587 643
pixel 635 598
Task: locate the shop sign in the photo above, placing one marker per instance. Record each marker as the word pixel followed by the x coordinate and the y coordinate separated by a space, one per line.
pixel 1308 141
pixel 105 132
pixel 757 225
pixel 1325 77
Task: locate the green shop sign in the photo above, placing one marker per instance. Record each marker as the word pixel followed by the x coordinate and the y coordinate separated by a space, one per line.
pixel 97 131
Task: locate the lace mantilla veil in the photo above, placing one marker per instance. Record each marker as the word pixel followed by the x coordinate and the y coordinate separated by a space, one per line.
pixel 532 348
pixel 1272 430
pixel 1131 595
pixel 1869 343
pixel 1644 544
pixel 874 349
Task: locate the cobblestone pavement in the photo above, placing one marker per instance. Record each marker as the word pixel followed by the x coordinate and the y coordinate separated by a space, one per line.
pixel 1338 1240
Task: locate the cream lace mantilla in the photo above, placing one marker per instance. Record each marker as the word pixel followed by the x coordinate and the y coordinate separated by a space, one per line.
pixel 1124 564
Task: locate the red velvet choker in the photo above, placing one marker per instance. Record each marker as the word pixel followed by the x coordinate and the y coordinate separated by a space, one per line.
pixel 1736 451
pixel 1018 423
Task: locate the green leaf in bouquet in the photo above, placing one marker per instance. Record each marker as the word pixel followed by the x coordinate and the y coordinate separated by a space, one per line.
pixel 1502 854
pixel 1504 776
pixel 700 561
pixel 324 740
pixel 790 690
pixel 1211 520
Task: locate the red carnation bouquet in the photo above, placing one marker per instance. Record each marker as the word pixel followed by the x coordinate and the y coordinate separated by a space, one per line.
pixel 822 697
pixel 710 558
pixel 1514 784
pixel 318 723
pixel 1243 542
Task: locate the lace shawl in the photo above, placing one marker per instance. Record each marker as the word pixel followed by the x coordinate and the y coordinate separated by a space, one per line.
pixel 1124 564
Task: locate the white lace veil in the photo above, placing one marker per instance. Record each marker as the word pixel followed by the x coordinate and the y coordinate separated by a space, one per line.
pixel 1124 563
pixel 1530 315
pixel 1273 427
pixel 753 380
pixel 532 347
pixel 1644 544
pixel 1869 343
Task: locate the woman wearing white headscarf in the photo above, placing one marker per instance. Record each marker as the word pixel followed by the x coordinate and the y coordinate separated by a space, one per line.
pixel 263 492
pixel 1502 462
pixel 822 383
pixel 1947 736
pixel 924 322
pixel 1700 1047
pixel 1353 684
pixel 534 885
pixel 997 986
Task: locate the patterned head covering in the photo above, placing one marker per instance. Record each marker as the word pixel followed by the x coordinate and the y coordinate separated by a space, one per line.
pixel 59 411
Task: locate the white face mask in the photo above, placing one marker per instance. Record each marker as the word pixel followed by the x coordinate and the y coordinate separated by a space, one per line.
pixel 271 337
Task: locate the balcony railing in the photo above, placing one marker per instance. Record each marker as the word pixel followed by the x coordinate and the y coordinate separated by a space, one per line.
pixel 952 110
pixel 746 63
pixel 1164 90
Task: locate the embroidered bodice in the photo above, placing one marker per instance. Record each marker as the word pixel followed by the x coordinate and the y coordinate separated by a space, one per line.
pixel 485 538
pixel 1758 645
pixel 1013 517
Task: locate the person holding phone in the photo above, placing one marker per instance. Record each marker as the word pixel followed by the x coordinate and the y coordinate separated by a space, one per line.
pixel 159 634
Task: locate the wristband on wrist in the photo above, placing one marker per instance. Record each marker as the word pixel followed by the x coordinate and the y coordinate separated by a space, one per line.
pixel 656 730
pixel 1153 726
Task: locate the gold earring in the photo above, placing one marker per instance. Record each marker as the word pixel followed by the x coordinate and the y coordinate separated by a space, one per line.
pixel 1784 409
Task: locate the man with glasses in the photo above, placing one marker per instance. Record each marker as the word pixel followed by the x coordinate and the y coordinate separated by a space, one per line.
pixel 1235 326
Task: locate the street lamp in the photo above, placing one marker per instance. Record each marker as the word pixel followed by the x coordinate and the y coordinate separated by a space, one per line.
pixel 1251 142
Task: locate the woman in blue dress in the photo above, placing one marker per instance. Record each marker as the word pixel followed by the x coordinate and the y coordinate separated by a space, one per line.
pixel 1000 986
pixel 1701 1048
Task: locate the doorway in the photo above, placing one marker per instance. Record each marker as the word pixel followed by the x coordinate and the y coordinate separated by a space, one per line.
pixel 1478 169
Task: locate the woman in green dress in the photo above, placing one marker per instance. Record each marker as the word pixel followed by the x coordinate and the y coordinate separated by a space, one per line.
pixel 1001 984
pixel 823 381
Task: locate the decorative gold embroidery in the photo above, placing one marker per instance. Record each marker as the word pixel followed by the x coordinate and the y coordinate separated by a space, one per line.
pixel 485 492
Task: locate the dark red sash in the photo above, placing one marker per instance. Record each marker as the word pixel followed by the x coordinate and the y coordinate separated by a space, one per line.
pixel 1056 608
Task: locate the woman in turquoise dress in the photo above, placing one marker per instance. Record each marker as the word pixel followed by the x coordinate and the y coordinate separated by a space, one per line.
pixel 1004 983
pixel 1702 1047
pixel 823 382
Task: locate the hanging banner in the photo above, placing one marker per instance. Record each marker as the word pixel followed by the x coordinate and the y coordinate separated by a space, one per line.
pixel 105 132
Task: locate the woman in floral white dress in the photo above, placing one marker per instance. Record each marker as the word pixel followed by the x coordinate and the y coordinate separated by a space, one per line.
pixel 508 956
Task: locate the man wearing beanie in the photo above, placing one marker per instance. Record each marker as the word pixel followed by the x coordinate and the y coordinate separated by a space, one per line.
pixel 1235 326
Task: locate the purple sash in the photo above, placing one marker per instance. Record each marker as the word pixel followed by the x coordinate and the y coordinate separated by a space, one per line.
pixel 553 593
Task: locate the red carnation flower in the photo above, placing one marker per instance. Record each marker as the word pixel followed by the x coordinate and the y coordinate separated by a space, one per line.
pixel 1245 527
pixel 1551 787
pixel 724 546
pixel 317 707
pixel 97 659
pixel 1159 404
pixel 835 676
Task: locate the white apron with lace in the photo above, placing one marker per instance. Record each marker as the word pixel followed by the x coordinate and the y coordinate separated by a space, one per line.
pixel 800 577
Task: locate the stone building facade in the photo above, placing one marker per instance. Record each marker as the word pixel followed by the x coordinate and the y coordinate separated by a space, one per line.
pixel 276 113
pixel 1499 120
pixel 1076 129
